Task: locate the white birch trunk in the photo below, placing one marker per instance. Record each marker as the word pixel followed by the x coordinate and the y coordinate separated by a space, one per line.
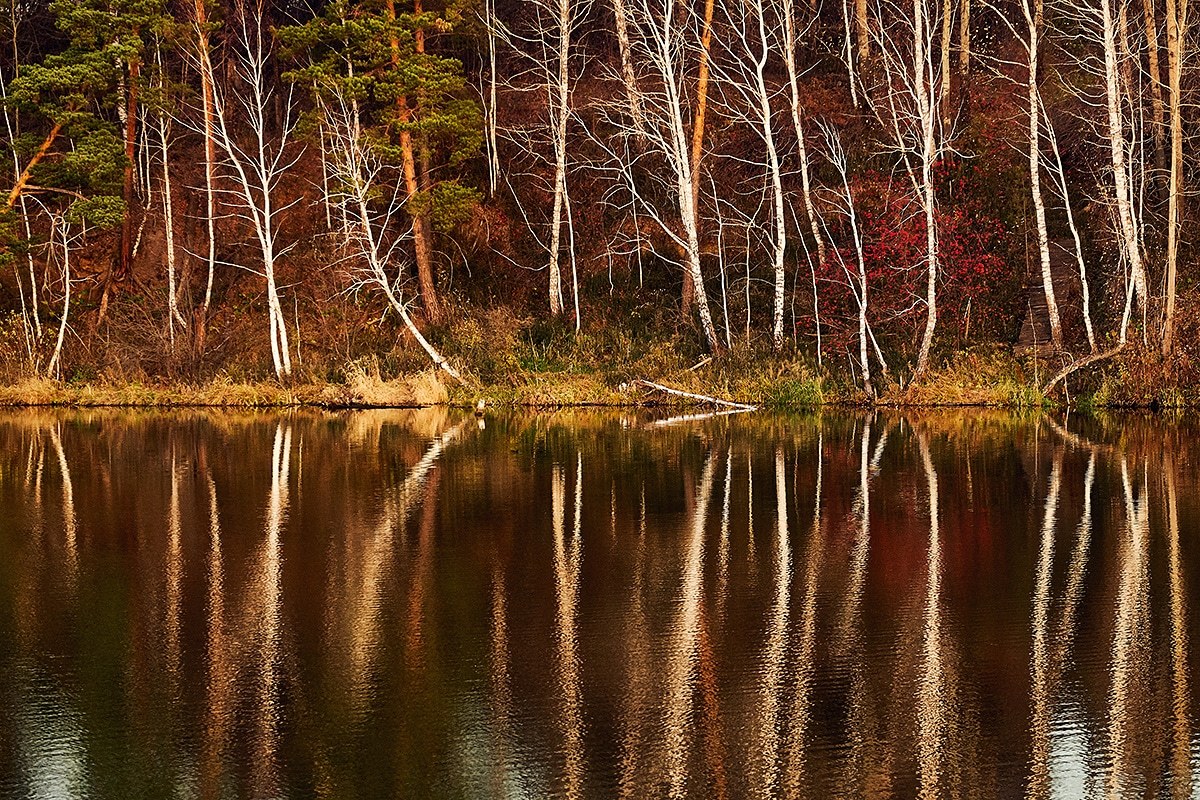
pixel 1117 146
pixel 921 78
pixel 1033 20
pixel 559 117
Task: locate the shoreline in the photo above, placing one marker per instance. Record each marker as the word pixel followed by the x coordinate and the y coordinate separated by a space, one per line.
pixel 398 395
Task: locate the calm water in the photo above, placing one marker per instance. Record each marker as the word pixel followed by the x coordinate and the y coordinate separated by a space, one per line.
pixel 414 604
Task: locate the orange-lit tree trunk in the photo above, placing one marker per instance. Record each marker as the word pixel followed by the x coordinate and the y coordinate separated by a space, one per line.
pixel 1176 44
pixel 422 233
pixel 210 160
pixel 689 283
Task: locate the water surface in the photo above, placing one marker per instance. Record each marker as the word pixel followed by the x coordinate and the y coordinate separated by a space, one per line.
pixel 418 604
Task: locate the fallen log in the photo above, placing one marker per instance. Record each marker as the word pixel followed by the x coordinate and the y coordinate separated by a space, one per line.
pixel 1080 364
pixel 700 398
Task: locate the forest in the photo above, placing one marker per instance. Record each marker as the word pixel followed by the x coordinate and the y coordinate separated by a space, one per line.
pixel 781 200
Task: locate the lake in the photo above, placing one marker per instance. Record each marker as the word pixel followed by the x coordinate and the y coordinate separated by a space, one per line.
pixel 597 604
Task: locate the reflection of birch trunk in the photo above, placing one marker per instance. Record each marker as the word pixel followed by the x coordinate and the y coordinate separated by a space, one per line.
pixel 776 647
pixel 1181 701
pixel 805 669
pixel 69 523
pixel 723 546
pixel 850 636
pixel 498 680
pixel 930 699
pixel 567 563
pixel 378 561
pixel 174 575
pixel 1041 667
pixel 639 673
pixel 681 669
pixel 269 590
pixel 218 680
pixel 1078 566
pixel 1130 631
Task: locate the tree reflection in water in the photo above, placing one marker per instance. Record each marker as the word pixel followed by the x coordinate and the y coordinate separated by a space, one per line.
pixel 980 605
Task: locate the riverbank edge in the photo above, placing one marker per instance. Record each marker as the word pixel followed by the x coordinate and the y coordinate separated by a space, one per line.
pixel 400 394
pixel 971 379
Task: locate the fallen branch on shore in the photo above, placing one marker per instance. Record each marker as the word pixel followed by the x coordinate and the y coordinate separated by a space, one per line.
pixel 1080 364
pixel 699 398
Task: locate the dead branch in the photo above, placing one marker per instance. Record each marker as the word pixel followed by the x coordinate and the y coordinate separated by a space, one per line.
pixel 700 398
pixel 1080 364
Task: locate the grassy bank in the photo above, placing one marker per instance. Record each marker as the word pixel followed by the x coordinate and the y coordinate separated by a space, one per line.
pixel 775 382
pixel 512 362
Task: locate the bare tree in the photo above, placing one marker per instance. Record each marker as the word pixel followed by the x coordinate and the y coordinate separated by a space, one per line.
pixel 372 209
pixel 790 34
pixel 163 124
pixel 544 40
pixel 746 79
pixel 902 102
pixel 1115 99
pixel 704 56
pixel 203 62
pixel 660 43
pixel 844 202
pixel 257 162
pixel 1034 12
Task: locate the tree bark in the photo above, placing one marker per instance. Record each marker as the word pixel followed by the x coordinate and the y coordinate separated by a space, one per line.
pixel 944 89
pixel 1033 19
pixel 862 29
pixel 789 44
pixel 23 178
pixel 210 160
pixel 928 153
pixel 1176 44
pixel 562 99
pixel 621 13
pixel 422 233
pixel 1154 75
pixel 1116 140
pixel 689 285
pixel 774 174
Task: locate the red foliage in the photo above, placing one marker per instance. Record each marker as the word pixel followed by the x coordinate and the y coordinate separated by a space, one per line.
pixel 973 272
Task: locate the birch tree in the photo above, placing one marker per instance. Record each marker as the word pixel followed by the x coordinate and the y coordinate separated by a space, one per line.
pixel 791 32
pixel 902 102
pixel 203 62
pixel 1118 147
pixel 1034 12
pixel 746 79
pixel 257 161
pixel 662 44
pixel 352 70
